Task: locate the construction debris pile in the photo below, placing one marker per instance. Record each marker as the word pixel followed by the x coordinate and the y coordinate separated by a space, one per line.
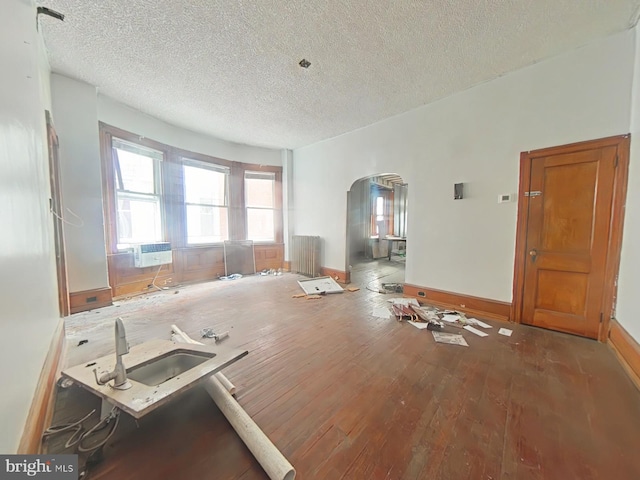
pixel 438 320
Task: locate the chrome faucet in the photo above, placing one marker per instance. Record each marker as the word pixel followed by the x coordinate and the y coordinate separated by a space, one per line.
pixel 119 374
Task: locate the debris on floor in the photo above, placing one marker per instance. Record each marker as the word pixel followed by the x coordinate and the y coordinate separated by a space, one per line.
pixel 313 297
pixel 271 271
pixel 450 338
pixel 299 295
pixel 353 289
pixel 404 312
pixel 480 333
pixel 392 288
pixel 320 285
pixel 427 317
pixel 475 321
pixel 505 331
pixel 209 333
pixel 82 342
pixel 233 276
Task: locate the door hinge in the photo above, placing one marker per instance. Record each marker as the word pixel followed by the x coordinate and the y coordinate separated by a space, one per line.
pixel 535 193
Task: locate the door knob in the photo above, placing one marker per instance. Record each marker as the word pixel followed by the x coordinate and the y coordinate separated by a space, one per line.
pixel 533 253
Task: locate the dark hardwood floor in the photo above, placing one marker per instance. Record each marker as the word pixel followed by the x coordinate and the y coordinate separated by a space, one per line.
pixel 346 395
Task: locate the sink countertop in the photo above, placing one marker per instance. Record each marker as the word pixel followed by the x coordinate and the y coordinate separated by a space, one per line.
pixel 141 399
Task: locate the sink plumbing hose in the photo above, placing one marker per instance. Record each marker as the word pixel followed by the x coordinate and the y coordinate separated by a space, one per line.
pixel 80 435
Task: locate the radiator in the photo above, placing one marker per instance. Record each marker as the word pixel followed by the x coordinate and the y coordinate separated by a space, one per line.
pixel 305 255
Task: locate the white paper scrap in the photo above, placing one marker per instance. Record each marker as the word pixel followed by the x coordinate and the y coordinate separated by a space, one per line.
pixel 480 333
pixel 505 331
pixel 475 321
pixel 421 326
pixel 451 318
pixel 450 338
pixel 381 312
pixel 404 301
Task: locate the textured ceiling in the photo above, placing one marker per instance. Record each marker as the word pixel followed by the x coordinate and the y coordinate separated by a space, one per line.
pixel 230 68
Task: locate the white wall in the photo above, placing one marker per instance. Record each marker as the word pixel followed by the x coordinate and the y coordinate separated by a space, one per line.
pixel 28 291
pixel 476 136
pixel 119 115
pixel 628 306
pixel 75 116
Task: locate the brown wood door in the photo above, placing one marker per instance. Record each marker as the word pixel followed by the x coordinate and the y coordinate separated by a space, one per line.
pixel 56 209
pixel 569 202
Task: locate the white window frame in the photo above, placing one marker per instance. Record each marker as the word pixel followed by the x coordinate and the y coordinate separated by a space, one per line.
pixel 273 177
pixel 121 193
pixel 188 162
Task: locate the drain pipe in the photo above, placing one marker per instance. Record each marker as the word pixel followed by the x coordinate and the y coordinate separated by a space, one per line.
pixel 265 452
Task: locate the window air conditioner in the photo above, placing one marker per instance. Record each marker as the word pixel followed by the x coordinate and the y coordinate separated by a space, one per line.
pixel 151 254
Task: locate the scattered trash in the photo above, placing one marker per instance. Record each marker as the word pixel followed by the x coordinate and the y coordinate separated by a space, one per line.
pixel 392 288
pixel 82 342
pixel 353 289
pixel 475 321
pixel 451 318
pixel 405 301
pixel 313 297
pixel 299 295
pixel 449 338
pixel 480 333
pixel 233 276
pixel 505 331
pixel 320 285
pixel 431 325
pixel 90 364
pixel 209 333
pixel 418 325
pixel 270 271
pixel 404 312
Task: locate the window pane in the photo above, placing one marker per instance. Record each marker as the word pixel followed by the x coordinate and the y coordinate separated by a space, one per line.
pixel 259 190
pixel 202 185
pixel 138 220
pixel 136 172
pixel 207 224
pixel 380 206
pixel 260 225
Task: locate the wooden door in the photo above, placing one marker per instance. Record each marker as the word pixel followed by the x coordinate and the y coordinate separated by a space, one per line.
pixel 568 203
pixel 56 209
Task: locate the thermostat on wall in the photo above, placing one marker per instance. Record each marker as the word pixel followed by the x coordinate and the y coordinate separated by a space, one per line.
pixel 504 198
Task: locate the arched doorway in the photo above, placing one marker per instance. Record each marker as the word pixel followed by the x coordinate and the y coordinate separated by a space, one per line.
pixel 376 232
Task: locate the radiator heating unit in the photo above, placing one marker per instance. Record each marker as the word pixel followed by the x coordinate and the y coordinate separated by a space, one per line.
pixel 152 254
pixel 305 255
